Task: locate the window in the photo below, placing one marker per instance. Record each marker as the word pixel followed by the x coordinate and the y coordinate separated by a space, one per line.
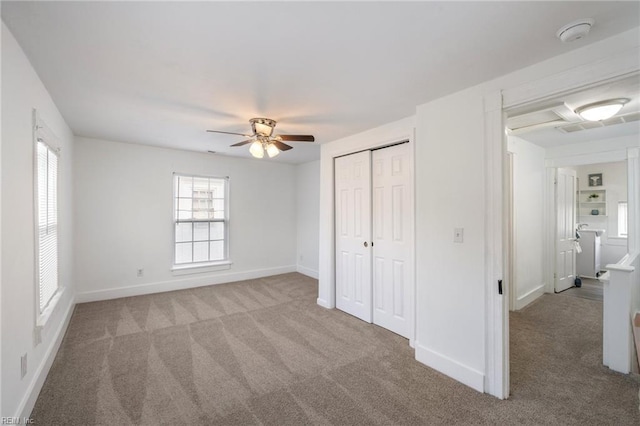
pixel 622 219
pixel 47 217
pixel 201 220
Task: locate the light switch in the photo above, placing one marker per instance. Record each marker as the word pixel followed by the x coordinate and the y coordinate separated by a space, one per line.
pixel 458 235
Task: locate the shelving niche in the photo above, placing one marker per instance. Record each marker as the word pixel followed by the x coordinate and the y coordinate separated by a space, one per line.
pixel 587 203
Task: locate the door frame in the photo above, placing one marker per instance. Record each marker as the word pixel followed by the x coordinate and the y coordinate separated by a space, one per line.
pixel 390 134
pixel 620 65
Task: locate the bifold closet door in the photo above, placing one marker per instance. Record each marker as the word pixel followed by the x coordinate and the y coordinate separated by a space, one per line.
pixel 353 234
pixel 392 192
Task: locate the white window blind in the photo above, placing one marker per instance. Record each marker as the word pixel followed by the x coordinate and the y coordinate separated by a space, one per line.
pixel 201 220
pixel 47 174
pixel 622 219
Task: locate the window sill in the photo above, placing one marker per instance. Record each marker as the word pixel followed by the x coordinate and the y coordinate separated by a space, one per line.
pixel 43 318
pixel 201 268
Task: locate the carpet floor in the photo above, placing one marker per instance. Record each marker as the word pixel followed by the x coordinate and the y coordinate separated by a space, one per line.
pixel 590 289
pixel 263 352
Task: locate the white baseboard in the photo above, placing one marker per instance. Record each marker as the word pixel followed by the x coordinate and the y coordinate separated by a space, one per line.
pixel 529 297
pixel 323 303
pixel 180 284
pixel 33 391
pixel 462 373
pixel 307 271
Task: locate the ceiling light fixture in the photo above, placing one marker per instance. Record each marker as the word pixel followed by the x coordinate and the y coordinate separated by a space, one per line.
pixel 602 110
pixel 272 150
pixel 256 149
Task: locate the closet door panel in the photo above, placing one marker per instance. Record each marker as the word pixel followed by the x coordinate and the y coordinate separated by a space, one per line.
pixel 354 293
pixel 393 243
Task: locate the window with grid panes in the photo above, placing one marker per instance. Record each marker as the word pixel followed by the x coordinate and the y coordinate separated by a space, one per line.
pixel 201 220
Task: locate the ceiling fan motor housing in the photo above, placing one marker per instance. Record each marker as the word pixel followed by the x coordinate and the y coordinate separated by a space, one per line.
pixel 262 126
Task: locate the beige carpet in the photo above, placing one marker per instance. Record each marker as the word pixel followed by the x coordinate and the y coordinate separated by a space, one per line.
pixel 591 289
pixel 263 352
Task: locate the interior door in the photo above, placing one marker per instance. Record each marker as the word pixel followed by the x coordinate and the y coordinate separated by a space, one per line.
pixel 565 272
pixel 353 234
pixel 392 195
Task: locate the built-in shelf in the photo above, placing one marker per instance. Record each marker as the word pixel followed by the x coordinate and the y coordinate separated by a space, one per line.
pixel 591 200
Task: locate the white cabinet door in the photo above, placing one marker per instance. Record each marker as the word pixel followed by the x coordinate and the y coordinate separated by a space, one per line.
pixel 392 195
pixel 565 273
pixel 353 234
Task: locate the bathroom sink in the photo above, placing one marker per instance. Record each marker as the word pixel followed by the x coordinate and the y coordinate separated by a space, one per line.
pixel 598 232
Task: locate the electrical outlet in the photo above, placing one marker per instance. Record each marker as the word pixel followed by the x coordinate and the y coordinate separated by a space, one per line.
pixel 140 272
pixel 458 235
pixel 23 366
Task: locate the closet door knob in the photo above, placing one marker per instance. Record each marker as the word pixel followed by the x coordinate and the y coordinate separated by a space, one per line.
pixel 366 244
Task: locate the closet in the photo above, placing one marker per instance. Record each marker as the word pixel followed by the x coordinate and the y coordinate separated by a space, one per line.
pixel 374 236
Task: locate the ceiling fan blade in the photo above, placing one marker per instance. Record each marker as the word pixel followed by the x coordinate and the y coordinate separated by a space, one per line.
pixel 243 142
pixel 229 133
pixel 281 146
pixel 297 138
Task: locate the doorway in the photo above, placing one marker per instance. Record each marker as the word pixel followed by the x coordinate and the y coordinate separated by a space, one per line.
pixel 566 175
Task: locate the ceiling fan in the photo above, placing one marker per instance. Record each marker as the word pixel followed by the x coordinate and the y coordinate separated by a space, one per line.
pixel 263 139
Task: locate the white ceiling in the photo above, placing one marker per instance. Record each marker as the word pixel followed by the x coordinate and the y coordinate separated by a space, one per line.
pixel 161 73
pixel 547 137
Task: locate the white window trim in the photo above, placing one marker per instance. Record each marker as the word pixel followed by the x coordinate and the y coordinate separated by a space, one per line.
pixel 42 133
pixel 201 267
pixel 625 236
pixel 198 268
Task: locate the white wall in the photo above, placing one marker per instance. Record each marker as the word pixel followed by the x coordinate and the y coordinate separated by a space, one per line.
pixel 1 32
pixel 614 176
pixel 124 210
pixel 308 217
pixel 22 91
pixel 451 278
pixel 607 150
pixel 528 226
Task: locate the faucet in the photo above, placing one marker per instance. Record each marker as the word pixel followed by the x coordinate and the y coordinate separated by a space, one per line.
pixel 581 226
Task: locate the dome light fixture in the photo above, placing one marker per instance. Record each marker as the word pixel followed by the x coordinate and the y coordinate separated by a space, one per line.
pixel 602 110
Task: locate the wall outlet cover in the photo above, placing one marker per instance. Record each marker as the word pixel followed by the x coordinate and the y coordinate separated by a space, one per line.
pixel 23 366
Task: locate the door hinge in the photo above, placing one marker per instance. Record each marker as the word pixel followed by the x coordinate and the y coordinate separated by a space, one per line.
pixel 499 286
pixel 554 276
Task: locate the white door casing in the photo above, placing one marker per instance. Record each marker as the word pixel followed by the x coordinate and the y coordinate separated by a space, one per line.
pixel 392 237
pixel 565 272
pixel 353 234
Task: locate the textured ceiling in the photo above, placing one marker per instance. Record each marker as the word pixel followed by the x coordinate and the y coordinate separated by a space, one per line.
pixel 161 73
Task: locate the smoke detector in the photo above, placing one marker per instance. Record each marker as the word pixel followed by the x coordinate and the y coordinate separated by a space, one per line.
pixel 575 30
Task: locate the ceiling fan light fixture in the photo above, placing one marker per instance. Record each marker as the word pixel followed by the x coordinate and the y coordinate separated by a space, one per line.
pixel 262 126
pixel 272 150
pixel 602 110
pixel 256 149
